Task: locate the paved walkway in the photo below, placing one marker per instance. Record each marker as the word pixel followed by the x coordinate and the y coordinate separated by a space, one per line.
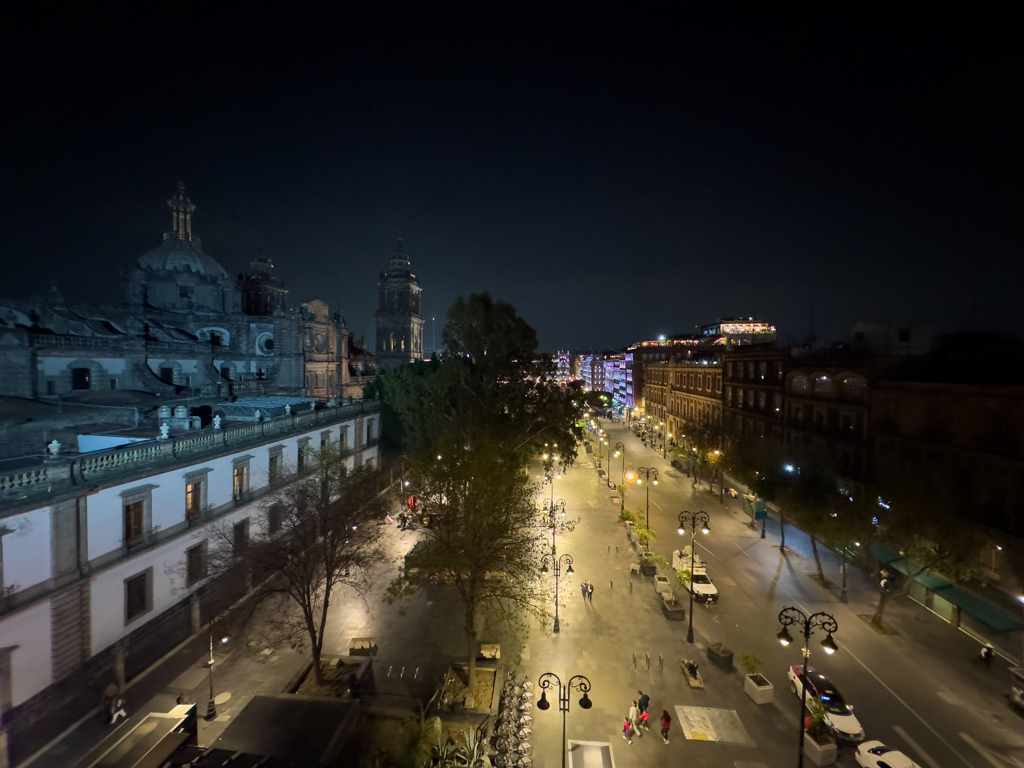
pixel 917 690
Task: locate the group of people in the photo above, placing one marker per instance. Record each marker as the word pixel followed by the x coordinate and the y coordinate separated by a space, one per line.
pixel 639 716
pixel 588 591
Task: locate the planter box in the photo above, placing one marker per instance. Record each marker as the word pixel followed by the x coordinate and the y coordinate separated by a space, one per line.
pixel 820 754
pixel 673 611
pixel 760 694
pixel 716 655
pixel 629 525
pixel 648 569
pixel 661 585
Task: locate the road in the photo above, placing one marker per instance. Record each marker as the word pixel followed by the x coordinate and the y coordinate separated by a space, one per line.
pixel 916 690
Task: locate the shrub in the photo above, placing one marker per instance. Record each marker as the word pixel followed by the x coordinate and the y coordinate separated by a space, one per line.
pixel 627 516
pixel 751 663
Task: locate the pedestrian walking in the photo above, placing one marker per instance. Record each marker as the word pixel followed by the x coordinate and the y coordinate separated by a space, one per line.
pixel 590 592
pixel 634 719
pixel 626 728
pixel 583 590
pixel 666 721
pixel 645 704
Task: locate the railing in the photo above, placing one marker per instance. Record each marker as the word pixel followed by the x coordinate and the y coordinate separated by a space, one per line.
pixel 140 454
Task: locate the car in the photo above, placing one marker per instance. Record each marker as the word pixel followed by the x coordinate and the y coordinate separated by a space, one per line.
pixel 874 754
pixel 838 714
pixel 704 590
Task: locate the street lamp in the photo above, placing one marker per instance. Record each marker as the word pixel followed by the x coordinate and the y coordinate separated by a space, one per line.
pixel 211 707
pixel 647 473
pixel 693 518
pixel 557 561
pixel 821 620
pixel 579 682
pixel 621 448
pixel 553 509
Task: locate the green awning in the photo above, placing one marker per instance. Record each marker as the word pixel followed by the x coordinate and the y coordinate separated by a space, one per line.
pixel 982 609
pixel 996 617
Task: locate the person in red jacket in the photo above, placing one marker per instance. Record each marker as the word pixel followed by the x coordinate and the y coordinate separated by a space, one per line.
pixel 666 722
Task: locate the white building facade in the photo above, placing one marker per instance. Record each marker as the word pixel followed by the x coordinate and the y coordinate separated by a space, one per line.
pixel 100 558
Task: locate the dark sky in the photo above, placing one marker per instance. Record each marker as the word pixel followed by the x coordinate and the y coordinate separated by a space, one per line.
pixel 614 171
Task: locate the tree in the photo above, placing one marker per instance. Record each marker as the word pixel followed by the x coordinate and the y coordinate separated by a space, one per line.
pixel 318 536
pixel 759 464
pixel 481 540
pixel 929 523
pixel 486 390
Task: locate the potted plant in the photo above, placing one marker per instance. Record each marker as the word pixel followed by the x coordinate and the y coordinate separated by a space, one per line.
pixel 628 518
pixel 819 745
pixel 720 654
pixel 756 685
pixel 644 536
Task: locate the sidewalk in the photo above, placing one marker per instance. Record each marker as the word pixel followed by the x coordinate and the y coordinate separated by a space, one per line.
pixel 240 673
pixel 237 677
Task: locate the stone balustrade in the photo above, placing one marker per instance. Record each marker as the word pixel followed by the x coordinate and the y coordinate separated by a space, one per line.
pixel 86 467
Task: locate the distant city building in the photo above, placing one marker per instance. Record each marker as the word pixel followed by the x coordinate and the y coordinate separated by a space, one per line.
pixel 399 322
pixel 733 331
pixel 684 394
pixel 894 338
pixel 563 367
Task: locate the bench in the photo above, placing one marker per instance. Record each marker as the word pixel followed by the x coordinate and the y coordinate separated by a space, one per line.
pixel 362 646
pixel 490 651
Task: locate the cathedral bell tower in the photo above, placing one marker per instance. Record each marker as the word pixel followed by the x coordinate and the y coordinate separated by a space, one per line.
pixel 399 323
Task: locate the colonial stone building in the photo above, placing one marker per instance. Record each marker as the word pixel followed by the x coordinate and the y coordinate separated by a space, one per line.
pixel 184 328
pixel 399 322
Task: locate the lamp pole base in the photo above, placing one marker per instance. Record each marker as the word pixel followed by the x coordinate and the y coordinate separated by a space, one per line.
pixel 557 627
pixel 211 710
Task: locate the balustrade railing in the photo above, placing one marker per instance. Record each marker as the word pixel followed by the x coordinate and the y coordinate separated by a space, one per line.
pixel 140 454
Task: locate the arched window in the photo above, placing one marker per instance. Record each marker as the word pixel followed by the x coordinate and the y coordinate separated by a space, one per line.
pixel 824 386
pixel 798 384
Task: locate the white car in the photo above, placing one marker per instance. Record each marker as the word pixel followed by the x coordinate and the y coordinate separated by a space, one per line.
pixel 704 591
pixel 838 714
pixel 874 754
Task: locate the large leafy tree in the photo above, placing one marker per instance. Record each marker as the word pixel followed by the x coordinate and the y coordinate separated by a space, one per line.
pixel 470 423
pixel 487 390
pixel 481 539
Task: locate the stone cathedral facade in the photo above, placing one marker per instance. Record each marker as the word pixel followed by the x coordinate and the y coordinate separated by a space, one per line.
pixel 399 322
pixel 184 328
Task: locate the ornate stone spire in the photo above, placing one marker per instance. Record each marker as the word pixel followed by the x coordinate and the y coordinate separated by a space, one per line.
pixel 181 213
pixel 399 260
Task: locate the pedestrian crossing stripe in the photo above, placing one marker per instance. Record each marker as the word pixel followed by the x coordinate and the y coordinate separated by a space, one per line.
pixel 708 724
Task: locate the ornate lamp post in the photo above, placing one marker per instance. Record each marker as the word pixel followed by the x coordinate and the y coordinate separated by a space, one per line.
pixel 211 707
pixel 621 449
pixel 579 682
pixel 555 510
pixel 557 561
pixel 651 475
pixel 821 620
pixel 693 518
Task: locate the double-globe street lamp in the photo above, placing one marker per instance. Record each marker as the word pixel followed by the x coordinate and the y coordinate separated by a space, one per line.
pixel 555 509
pixel 620 448
pixel 650 474
pixel 821 620
pixel 693 518
pixel 579 682
pixel 557 562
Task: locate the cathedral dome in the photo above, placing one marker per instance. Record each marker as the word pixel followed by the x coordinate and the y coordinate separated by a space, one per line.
pixel 181 256
pixel 181 251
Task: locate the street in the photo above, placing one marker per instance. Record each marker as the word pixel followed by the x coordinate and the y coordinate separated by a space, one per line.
pixel 918 691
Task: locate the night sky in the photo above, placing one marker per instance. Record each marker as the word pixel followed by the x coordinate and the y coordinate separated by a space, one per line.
pixel 615 172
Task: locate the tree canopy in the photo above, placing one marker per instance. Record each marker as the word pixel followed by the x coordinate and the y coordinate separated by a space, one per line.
pixel 486 390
